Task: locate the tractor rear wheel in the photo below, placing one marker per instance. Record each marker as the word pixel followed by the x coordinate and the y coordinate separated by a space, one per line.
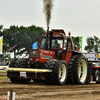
pixel 59 72
pixel 17 62
pixel 22 63
pixel 70 70
pixel 12 63
pixel 80 70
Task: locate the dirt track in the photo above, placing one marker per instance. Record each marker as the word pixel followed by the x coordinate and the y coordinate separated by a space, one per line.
pixel 40 91
pixel 3 74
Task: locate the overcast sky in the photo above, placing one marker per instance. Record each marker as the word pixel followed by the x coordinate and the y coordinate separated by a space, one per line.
pixel 81 17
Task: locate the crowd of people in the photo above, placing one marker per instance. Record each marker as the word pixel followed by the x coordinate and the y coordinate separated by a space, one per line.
pixel 5 62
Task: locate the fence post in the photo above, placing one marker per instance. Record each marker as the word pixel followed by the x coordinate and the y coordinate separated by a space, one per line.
pixel 11 91
pixel 8 95
pixel 11 95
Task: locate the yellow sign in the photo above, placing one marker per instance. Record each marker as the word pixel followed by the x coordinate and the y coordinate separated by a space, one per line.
pixel 99 56
pixel 1 44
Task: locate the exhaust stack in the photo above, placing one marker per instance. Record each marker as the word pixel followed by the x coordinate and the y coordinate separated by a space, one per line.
pixel 47 38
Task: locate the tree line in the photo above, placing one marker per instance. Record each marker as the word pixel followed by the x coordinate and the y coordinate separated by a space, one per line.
pixel 93 43
pixel 24 37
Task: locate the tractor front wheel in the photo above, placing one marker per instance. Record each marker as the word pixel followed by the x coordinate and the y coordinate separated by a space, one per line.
pixel 59 72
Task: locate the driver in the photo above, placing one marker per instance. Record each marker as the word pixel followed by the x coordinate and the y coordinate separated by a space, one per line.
pixel 56 44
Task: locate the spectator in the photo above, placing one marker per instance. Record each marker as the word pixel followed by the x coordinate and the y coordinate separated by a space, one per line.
pixel 4 63
pixel 7 63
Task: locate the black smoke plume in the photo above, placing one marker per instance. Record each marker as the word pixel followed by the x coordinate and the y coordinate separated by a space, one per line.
pixel 47 9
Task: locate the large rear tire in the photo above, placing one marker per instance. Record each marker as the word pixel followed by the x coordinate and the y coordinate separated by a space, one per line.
pixel 12 63
pixel 70 70
pixel 22 63
pixel 59 72
pixel 80 70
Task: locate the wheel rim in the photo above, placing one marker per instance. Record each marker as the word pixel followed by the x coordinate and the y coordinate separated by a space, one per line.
pixel 62 73
pixel 82 70
pixel 97 75
pixel 97 78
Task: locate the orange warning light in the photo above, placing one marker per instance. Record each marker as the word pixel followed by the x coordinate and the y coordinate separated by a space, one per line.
pixel 69 33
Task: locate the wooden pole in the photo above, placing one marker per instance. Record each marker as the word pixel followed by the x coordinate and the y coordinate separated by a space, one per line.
pixel 11 91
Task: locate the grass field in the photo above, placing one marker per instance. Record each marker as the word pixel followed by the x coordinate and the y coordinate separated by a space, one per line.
pixel 2 76
pixel 3 72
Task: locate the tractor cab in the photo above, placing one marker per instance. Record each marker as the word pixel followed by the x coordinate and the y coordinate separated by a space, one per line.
pixel 55 37
pixel 55 45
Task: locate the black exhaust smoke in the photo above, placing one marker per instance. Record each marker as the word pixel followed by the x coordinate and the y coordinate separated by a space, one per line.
pixel 47 9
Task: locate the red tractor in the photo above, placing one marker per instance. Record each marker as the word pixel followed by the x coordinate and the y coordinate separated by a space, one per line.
pixel 54 62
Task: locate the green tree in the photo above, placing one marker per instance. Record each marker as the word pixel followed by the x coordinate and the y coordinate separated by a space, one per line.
pixel 96 42
pixel 1 28
pixel 24 37
pixel 92 44
pixel 76 41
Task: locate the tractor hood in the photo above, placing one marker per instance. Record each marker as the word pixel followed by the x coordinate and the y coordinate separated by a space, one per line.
pixel 40 55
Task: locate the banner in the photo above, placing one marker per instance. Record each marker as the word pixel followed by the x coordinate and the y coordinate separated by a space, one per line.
pixel 1 44
pixel 80 41
pixel 11 48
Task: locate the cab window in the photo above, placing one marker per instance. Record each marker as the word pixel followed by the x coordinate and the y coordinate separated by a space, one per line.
pixel 65 44
pixel 70 46
pixel 59 41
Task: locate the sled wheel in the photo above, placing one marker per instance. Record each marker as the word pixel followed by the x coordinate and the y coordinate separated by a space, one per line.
pixel 97 76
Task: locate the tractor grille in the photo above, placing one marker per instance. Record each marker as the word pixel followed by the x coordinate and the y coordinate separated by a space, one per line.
pixel 34 53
